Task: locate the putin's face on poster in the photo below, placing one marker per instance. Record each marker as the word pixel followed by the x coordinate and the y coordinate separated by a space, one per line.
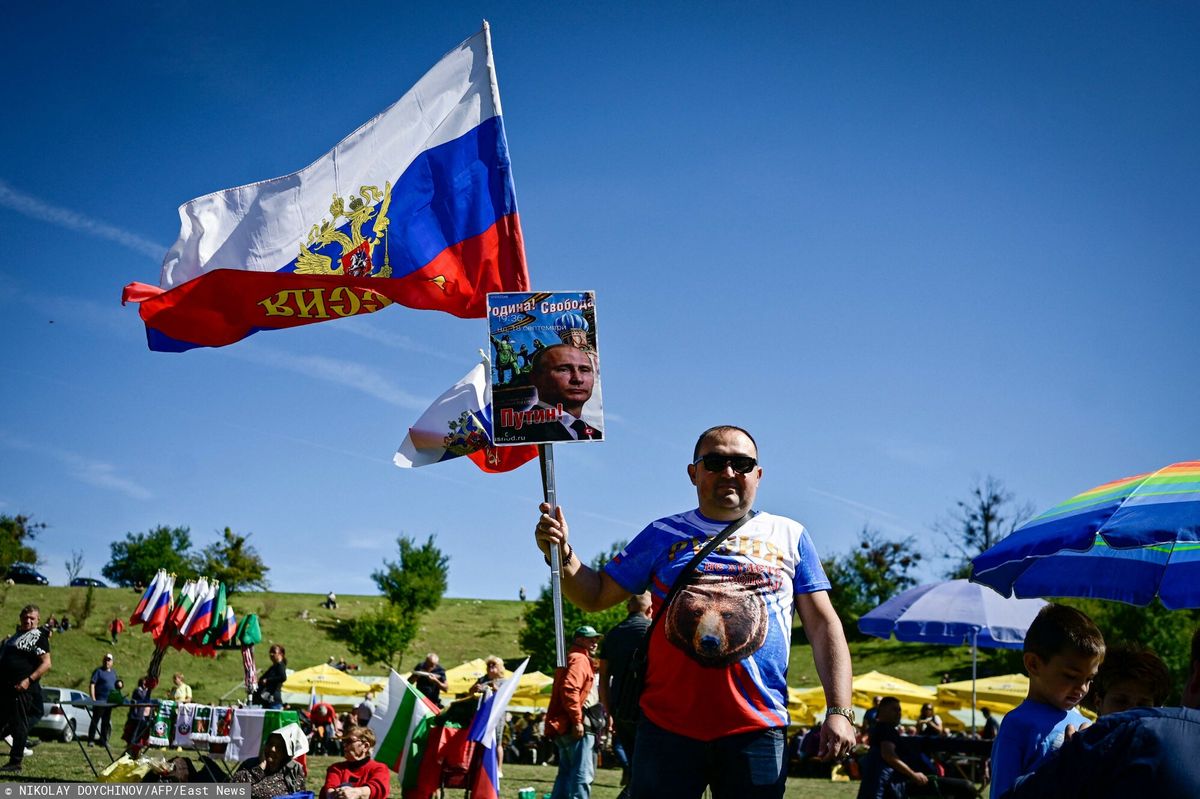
pixel 564 374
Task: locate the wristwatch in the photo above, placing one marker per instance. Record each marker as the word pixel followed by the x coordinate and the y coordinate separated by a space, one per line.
pixel 840 711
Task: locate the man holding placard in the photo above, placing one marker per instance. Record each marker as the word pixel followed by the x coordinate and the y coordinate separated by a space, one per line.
pixel 714 702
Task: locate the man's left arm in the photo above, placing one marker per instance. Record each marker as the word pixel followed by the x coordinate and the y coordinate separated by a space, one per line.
pixel 831 656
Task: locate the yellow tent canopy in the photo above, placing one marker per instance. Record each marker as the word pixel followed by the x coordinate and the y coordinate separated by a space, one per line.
pixel 872 684
pixel 1000 694
pixel 460 678
pixel 327 680
pixel 803 704
pixel 533 691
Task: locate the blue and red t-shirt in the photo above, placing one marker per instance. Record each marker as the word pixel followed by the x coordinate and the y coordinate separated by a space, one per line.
pixel 719 658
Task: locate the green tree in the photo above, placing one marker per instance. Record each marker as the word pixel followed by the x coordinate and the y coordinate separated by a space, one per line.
pixel 974 525
pixel 135 560
pixel 412 586
pixel 381 635
pixel 234 562
pixel 869 574
pixel 416 583
pixel 16 532
pixel 1167 633
pixel 537 636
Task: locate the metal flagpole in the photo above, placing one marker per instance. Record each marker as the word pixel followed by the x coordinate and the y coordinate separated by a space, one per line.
pixel 974 673
pixel 546 459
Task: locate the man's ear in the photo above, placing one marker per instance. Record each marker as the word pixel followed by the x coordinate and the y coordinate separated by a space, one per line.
pixel 692 472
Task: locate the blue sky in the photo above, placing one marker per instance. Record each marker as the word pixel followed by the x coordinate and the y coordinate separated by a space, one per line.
pixel 906 245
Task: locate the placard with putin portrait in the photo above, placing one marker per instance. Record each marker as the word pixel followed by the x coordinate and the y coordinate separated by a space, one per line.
pixel 545 376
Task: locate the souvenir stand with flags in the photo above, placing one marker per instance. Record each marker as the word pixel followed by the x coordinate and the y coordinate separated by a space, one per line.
pixel 199 622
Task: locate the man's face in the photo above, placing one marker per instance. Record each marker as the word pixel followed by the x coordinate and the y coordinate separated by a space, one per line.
pixel 589 644
pixel 564 374
pixel 29 619
pixel 725 495
pixel 1063 680
pixel 106 663
pixel 889 713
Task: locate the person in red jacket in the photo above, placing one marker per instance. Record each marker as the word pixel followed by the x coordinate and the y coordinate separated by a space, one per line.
pixel 565 717
pixel 358 776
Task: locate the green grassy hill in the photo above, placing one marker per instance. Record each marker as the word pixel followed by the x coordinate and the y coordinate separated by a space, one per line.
pixel 458 630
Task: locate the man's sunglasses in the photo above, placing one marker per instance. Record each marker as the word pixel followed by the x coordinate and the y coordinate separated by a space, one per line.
pixel 742 464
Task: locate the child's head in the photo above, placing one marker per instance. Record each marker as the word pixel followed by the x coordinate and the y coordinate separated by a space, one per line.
pixel 1131 676
pixel 119 684
pixel 1063 650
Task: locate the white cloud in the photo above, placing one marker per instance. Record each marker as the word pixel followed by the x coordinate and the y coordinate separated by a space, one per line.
pixel 32 207
pixel 366 328
pixel 367 379
pixel 86 470
pixel 890 520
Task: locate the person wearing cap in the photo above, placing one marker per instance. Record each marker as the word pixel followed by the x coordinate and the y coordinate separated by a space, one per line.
pixel 565 721
pixel 714 701
pixel 104 680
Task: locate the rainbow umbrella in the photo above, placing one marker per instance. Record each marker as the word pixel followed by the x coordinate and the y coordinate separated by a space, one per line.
pixel 1129 540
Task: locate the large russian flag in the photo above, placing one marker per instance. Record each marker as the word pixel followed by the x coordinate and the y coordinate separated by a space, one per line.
pixel 417 207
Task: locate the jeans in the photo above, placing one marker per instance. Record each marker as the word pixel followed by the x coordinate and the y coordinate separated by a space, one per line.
pixel 749 765
pixel 576 767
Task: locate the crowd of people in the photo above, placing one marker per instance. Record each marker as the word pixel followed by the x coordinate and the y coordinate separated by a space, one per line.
pixel 688 693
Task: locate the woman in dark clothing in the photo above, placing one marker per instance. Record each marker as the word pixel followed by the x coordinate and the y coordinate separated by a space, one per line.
pixel 270 685
pixel 276 772
pixel 137 727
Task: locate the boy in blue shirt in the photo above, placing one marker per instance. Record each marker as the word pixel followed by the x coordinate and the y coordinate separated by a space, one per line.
pixel 1063 650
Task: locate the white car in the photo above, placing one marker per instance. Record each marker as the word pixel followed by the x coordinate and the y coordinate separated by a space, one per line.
pixel 61 720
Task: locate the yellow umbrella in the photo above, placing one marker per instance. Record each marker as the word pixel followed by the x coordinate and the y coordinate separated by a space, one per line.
pixel 999 694
pixel 802 705
pixel 872 684
pixel 533 690
pixel 460 678
pixel 326 680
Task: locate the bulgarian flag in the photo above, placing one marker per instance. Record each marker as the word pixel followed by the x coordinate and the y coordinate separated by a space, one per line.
pixel 187 600
pixel 200 593
pixel 401 729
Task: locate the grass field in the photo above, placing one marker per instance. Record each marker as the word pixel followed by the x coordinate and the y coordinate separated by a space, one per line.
pixel 55 762
pixel 460 629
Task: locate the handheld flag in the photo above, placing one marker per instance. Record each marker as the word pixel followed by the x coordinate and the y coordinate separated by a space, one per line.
pixel 401 728
pixel 459 423
pixel 423 214
pixel 483 730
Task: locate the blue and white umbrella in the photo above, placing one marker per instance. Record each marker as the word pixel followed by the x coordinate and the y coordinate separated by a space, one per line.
pixel 954 612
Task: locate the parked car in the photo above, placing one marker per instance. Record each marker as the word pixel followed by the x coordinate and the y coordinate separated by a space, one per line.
pixel 26 575
pixel 60 720
pixel 88 582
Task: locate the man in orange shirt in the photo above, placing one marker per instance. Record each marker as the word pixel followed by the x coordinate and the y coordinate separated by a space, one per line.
pixel 565 718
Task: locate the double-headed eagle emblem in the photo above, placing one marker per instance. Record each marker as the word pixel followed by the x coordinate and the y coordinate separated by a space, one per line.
pixel 356 259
